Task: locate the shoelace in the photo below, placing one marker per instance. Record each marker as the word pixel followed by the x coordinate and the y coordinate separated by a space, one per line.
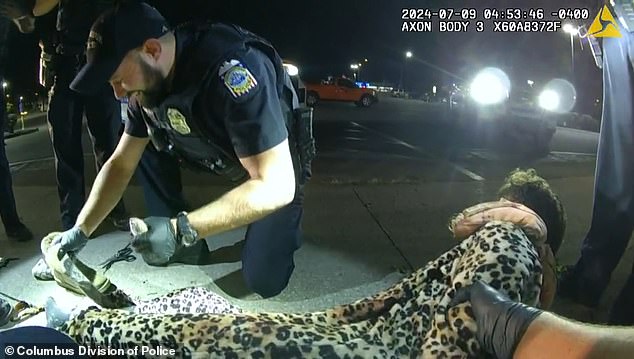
pixel 124 254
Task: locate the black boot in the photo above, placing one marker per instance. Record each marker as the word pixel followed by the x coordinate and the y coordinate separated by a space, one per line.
pixel 20 233
pixel 622 312
pixel 120 219
pixel 5 312
pixel 578 288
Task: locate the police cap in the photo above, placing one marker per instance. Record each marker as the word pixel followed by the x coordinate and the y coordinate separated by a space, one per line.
pixel 116 32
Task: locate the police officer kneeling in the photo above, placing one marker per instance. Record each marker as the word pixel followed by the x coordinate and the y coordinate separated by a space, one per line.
pixel 217 97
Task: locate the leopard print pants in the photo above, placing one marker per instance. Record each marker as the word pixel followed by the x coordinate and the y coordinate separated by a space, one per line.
pixel 409 320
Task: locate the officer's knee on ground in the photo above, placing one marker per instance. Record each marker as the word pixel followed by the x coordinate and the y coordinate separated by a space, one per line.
pixel 265 282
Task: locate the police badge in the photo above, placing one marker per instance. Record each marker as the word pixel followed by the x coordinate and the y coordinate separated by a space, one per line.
pixel 177 121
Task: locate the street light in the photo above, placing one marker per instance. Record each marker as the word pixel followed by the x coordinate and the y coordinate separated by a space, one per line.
pixel 572 31
pixel 355 68
pixel 4 85
pixel 408 55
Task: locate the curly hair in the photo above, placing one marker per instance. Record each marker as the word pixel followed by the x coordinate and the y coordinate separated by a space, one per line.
pixel 527 188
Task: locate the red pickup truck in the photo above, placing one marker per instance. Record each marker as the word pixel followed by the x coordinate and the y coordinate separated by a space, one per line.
pixel 339 89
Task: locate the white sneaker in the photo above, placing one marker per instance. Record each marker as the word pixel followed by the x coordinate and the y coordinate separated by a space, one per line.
pixel 42 271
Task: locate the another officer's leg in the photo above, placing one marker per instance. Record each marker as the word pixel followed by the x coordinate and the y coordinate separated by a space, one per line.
pixel 622 312
pixel 267 257
pixel 8 212
pixel 103 116
pixel 160 177
pixel 65 113
pixel 612 222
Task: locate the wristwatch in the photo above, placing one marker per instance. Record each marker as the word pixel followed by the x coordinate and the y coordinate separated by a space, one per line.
pixel 185 233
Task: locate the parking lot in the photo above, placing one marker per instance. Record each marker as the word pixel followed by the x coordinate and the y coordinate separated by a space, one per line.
pixel 386 180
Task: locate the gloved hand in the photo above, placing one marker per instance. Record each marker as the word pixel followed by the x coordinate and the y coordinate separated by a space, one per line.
pixel 501 321
pixel 72 240
pixel 158 244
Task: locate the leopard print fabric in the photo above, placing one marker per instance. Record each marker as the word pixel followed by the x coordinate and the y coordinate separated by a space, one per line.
pixel 409 320
pixel 194 300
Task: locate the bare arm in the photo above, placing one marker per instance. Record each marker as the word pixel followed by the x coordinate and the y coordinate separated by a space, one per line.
pixel 271 187
pixel 111 182
pixel 550 336
pixel 43 7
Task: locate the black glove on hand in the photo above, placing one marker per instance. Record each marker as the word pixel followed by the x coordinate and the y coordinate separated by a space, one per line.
pixel 501 321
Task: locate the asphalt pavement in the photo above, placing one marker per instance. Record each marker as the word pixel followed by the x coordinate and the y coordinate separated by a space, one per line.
pixel 386 181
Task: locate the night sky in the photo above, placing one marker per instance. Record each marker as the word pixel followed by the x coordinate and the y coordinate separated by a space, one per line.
pixel 325 36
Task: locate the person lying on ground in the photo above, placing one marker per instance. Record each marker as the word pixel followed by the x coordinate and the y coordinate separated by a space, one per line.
pixel 508 244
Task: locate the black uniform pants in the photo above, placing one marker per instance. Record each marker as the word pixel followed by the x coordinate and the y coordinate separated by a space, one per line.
pixel 8 211
pixel 613 209
pixel 270 244
pixel 65 114
pixel 160 176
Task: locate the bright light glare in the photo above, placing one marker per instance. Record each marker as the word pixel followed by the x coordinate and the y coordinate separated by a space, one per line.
pixel 558 95
pixel 408 54
pixel 490 86
pixel 549 100
pixel 292 70
pixel 568 28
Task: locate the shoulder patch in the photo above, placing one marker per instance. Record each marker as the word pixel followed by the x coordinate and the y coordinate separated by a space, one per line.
pixel 237 78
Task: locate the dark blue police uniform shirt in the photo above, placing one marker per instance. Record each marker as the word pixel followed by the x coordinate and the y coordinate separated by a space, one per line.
pixel 247 123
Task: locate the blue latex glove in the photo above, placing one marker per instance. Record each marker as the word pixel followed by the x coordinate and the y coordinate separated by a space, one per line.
pixel 158 245
pixel 501 321
pixel 72 240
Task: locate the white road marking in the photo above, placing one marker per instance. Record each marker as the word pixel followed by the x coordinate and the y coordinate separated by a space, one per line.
pixel 17 168
pixel 472 175
pixel 572 153
pixel 35 160
pixel 338 153
pixel 42 159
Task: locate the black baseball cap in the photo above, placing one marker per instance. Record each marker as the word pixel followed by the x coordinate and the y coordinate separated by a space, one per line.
pixel 112 36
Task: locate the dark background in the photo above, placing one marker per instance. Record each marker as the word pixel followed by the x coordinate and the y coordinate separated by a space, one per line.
pixel 325 36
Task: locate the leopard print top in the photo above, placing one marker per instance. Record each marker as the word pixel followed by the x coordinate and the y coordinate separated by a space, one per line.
pixel 409 320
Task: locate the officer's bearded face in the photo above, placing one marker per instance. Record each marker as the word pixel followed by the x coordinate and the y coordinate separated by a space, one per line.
pixel 156 86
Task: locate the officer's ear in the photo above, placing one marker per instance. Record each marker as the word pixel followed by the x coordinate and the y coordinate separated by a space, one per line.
pixel 153 47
